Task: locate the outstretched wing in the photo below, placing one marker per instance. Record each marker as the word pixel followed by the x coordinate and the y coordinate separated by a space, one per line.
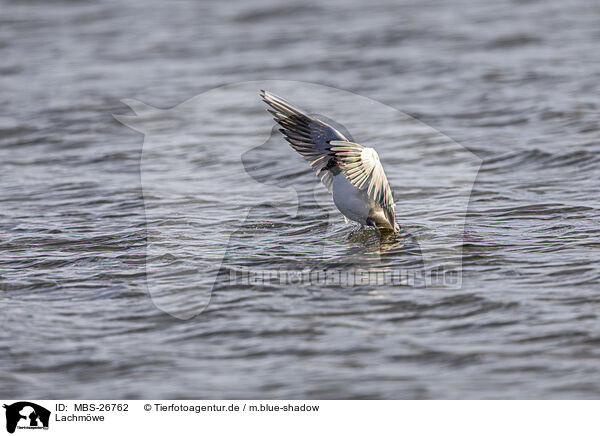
pixel 363 169
pixel 307 135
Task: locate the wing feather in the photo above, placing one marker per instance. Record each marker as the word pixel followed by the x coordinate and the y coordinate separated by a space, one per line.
pixel 307 135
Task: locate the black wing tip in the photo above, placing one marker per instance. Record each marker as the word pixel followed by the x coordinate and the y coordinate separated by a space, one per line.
pixel 268 97
pixel 263 96
pixel 270 100
pixel 281 105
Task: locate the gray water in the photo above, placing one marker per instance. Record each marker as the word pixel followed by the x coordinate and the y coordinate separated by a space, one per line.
pixel 516 83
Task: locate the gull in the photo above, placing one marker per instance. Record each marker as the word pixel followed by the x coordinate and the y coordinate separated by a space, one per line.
pixel 351 172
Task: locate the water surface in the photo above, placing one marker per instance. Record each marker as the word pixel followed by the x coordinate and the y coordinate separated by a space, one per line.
pixel 516 82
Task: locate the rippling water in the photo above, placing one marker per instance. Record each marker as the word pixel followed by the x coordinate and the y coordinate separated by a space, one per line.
pixel 517 83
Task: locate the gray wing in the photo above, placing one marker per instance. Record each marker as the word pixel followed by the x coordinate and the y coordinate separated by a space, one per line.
pixel 309 136
pixel 362 167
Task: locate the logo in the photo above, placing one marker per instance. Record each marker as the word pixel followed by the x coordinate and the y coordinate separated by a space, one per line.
pixel 26 415
pixel 219 166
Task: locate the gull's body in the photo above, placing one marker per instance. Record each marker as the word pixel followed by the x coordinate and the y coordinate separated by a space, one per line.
pixel 350 171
